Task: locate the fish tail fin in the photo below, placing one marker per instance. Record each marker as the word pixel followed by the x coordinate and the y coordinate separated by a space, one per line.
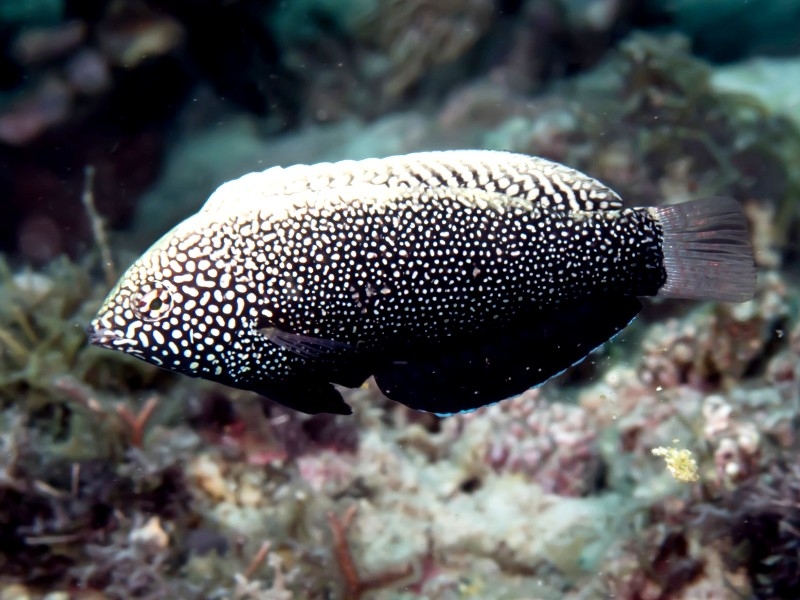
pixel 707 252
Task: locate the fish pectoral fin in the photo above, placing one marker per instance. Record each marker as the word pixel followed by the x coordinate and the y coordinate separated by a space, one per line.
pixel 306 395
pixel 469 372
pixel 306 346
pixel 343 363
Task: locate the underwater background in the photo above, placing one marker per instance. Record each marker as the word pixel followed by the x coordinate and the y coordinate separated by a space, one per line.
pixel 663 467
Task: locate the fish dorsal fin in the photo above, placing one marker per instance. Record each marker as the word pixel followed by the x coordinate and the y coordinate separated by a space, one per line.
pixel 536 180
pixel 533 179
pixel 467 373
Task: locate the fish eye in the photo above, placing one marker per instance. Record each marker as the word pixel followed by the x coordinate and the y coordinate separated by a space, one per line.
pixel 152 303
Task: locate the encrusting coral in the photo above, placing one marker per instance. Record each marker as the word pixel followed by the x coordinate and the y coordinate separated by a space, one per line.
pixel 109 466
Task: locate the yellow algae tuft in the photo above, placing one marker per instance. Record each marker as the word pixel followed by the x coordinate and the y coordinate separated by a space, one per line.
pixel 680 462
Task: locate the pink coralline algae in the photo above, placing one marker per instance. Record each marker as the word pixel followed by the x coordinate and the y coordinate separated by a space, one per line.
pixel 715 346
pixel 551 444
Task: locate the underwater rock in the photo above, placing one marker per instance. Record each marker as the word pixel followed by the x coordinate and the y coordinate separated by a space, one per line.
pixel 302 21
pixel 412 36
pixel 40 44
pixel 131 34
pixel 733 29
pixel 46 106
pixel 773 81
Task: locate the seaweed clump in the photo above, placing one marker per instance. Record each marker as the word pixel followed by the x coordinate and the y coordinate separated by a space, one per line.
pixel 120 477
pixel 57 514
pixel 760 522
pixel 42 337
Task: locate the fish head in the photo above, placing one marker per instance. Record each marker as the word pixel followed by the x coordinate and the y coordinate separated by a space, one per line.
pixel 161 312
pixel 135 309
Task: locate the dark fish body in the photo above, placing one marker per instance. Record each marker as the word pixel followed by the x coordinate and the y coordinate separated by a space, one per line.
pixel 455 278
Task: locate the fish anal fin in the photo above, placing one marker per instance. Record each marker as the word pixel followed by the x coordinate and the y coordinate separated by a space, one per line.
pixel 467 373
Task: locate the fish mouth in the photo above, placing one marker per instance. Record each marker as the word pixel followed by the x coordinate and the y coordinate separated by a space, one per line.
pixel 105 337
pixel 100 336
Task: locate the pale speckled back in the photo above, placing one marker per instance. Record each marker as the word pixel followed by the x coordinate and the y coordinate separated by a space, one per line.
pixel 534 179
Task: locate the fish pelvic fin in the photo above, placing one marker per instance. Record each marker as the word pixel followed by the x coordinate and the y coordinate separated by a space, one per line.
pixel 307 395
pixel 707 251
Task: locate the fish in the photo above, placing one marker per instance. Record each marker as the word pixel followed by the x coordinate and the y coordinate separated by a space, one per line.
pixel 454 278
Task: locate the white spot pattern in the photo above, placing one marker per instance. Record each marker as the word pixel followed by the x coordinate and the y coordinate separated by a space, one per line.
pixel 371 253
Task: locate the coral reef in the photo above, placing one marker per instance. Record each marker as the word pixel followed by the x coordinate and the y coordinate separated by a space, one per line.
pixel 759 521
pixel 118 480
pixel 419 35
pixel 216 495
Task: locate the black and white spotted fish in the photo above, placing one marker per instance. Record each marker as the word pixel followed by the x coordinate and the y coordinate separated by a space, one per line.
pixel 456 278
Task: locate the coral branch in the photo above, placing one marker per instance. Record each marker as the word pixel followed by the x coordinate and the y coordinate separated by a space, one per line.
pixel 98 226
pixel 257 560
pixel 355 586
pixel 138 422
